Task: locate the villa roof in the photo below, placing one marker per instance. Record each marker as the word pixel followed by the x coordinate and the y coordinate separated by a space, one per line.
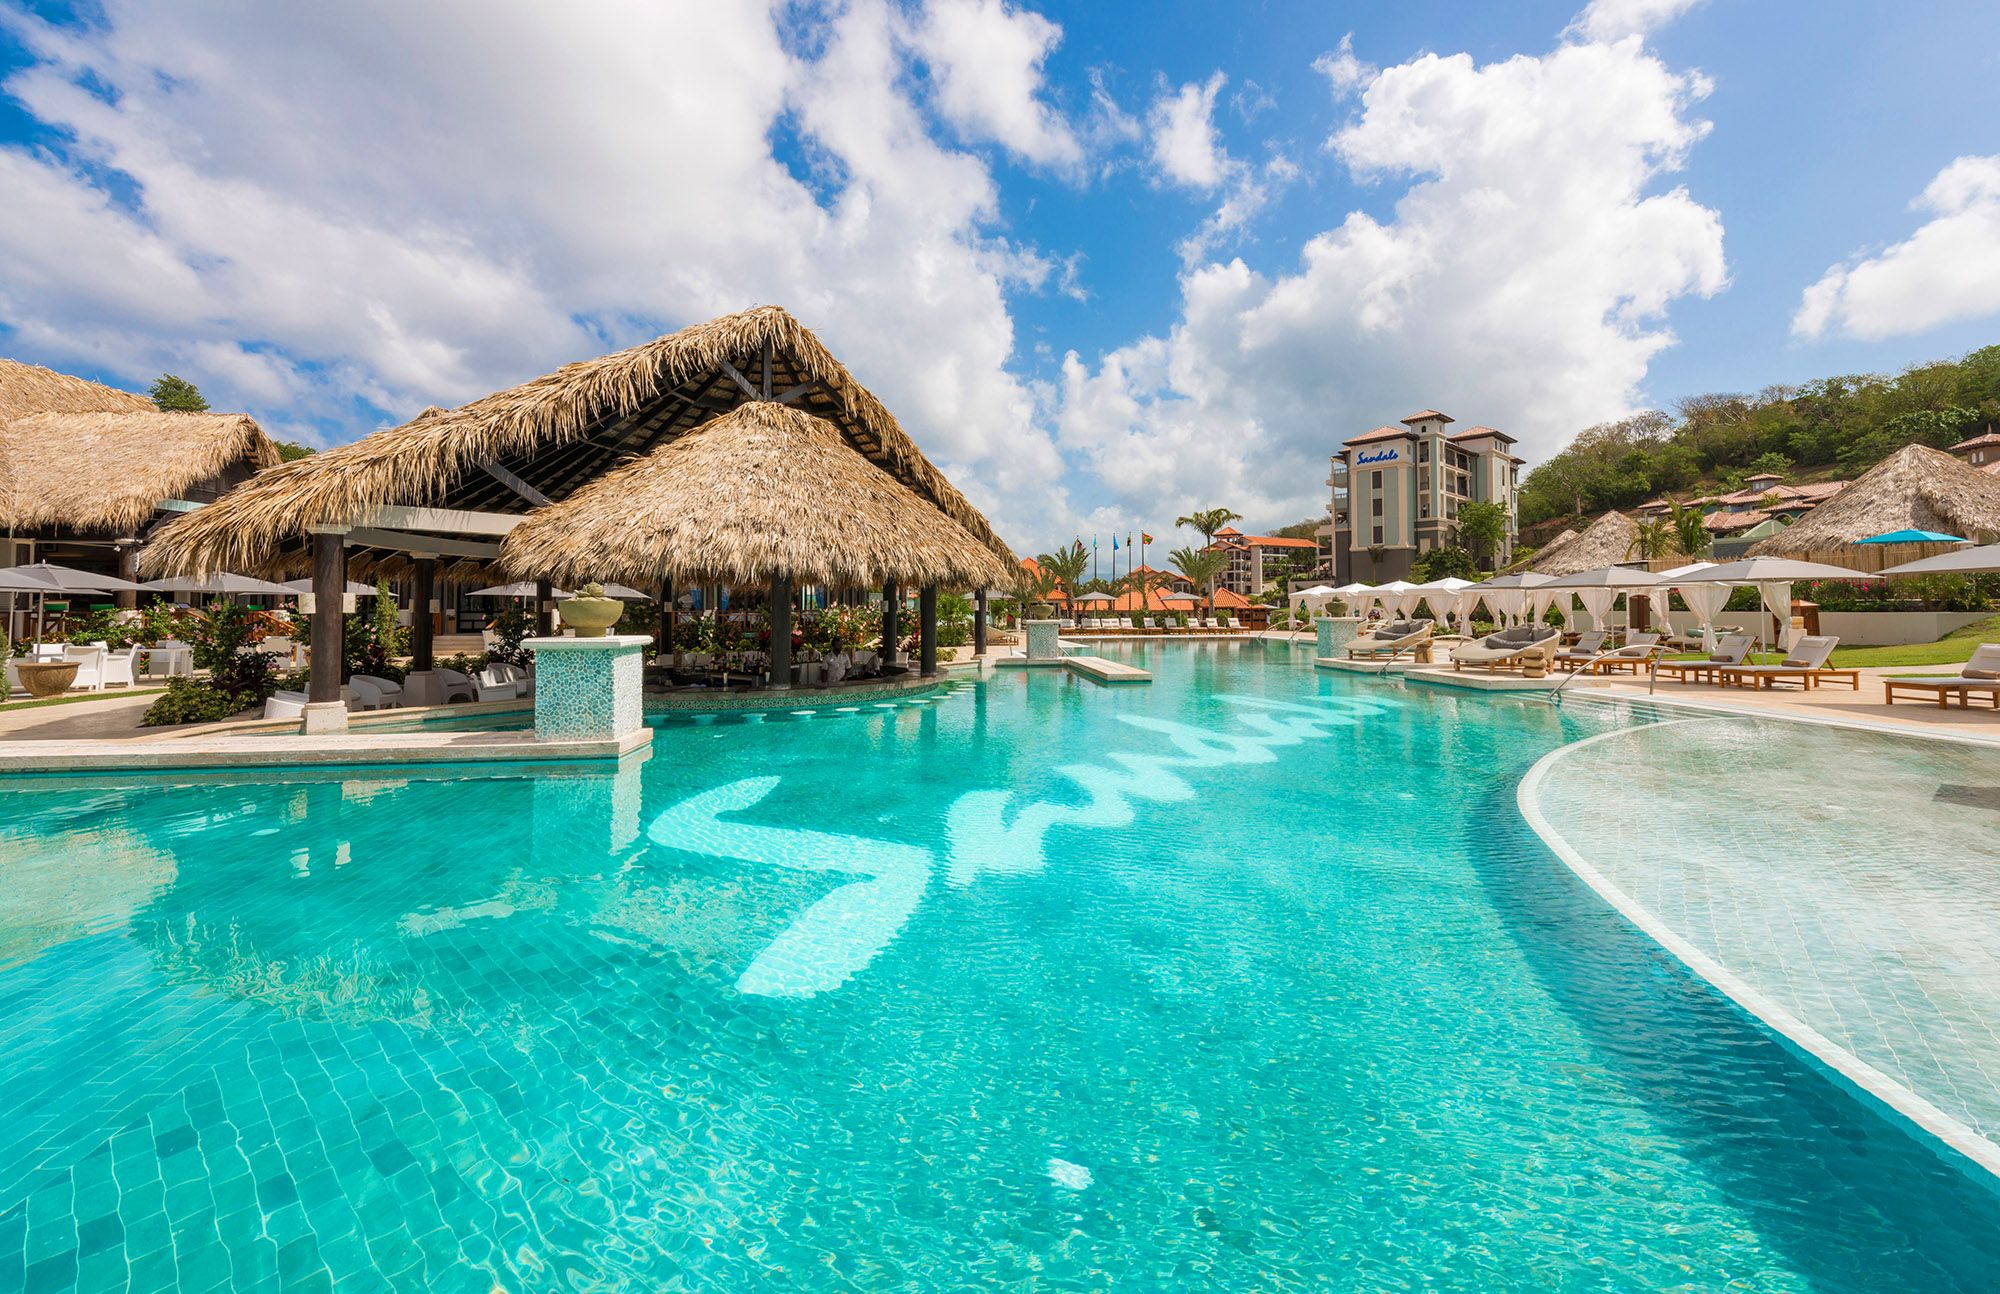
pixel 1915 488
pixel 84 456
pixel 1229 531
pixel 1422 414
pixel 548 438
pixel 1473 433
pixel 1380 433
pixel 1723 523
pixel 1990 438
pixel 765 491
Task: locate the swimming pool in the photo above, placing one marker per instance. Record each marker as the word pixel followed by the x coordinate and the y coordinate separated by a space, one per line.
pixel 1252 978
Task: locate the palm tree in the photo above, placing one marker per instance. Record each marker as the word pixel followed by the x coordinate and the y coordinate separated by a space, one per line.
pixel 1201 567
pixel 1653 539
pixel 1067 565
pixel 1208 521
pixel 1690 535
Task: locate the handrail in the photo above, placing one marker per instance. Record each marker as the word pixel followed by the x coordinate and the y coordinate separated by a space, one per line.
pixel 1653 660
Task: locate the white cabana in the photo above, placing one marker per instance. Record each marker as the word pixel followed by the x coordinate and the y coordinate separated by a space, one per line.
pixel 1705 601
pixel 1597 590
pixel 1441 595
pixel 1312 599
pixel 1509 597
pixel 1398 598
pixel 1773 578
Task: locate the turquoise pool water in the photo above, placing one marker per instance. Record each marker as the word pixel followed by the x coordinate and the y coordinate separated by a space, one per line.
pixel 1250 979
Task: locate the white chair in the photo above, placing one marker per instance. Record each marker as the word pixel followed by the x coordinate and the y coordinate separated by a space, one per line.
pixel 170 658
pixel 48 651
pixel 493 684
pixel 118 667
pixel 836 668
pixel 89 663
pixel 454 686
pixel 281 647
pixel 389 691
pixel 285 705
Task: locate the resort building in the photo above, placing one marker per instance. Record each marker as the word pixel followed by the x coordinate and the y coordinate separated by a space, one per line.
pixel 1257 562
pixel 1397 492
pixel 88 472
pixel 1981 451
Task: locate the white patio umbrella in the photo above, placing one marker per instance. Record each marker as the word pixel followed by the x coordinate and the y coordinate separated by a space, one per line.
pixel 520 589
pixel 1774 577
pixel 44 578
pixel 222 582
pixel 353 589
pixel 1598 589
pixel 1966 561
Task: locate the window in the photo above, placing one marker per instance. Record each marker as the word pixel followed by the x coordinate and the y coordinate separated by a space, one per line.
pixel 1424 452
pixel 1376 506
pixel 1424 506
pixel 1375 479
pixel 1378 534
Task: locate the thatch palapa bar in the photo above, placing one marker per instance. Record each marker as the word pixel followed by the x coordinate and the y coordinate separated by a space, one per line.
pixel 584 474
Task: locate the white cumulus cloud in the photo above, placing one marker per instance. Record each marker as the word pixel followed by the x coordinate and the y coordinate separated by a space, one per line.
pixel 986 59
pixel 1520 283
pixel 1609 20
pixel 1185 145
pixel 1948 270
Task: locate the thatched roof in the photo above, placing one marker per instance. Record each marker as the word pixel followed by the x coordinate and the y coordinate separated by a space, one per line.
pixel 29 388
pixel 1915 488
pixel 82 456
pixel 1604 542
pixel 556 434
pixel 764 491
pixel 109 471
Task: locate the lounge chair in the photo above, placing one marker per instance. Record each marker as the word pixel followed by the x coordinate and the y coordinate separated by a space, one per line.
pixel 495 683
pixel 1528 648
pixel 453 686
pixel 1806 666
pixel 1730 651
pixel 1589 646
pixel 286 705
pixel 389 690
pixel 1980 676
pixel 1638 651
pixel 1393 638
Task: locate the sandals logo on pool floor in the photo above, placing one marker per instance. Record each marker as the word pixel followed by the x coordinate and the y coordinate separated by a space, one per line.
pixel 838 936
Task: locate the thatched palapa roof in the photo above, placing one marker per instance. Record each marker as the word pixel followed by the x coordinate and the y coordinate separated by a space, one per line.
pixel 554 435
pixel 764 490
pixel 1915 488
pixel 81 456
pixel 1604 542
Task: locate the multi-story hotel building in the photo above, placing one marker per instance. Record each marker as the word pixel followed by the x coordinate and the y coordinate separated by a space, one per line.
pixel 1397 492
pixel 1258 561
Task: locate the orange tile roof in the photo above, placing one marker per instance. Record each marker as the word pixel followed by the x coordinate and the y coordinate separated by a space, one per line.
pixel 1472 432
pixel 1228 530
pixel 1422 414
pixel 1990 438
pixel 1380 433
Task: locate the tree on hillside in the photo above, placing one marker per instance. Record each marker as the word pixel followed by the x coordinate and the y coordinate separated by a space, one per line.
pixel 1307 529
pixel 1201 567
pixel 1447 561
pixel 1482 528
pixel 291 449
pixel 176 395
pixel 1208 521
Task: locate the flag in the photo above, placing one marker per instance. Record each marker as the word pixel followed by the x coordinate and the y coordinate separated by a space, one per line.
pixel 1144 537
pixel 1114 543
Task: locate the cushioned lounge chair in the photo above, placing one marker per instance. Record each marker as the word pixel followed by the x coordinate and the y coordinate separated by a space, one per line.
pixel 1393 639
pixel 1730 651
pixel 1638 651
pixel 1980 676
pixel 1589 646
pixel 1806 666
pixel 1528 648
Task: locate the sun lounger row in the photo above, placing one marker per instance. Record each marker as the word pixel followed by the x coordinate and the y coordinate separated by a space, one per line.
pixel 1153 624
pixel 1979 677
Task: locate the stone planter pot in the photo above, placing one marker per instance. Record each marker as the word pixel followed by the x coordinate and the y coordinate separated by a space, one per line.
pixel 590 613
pixel 46 678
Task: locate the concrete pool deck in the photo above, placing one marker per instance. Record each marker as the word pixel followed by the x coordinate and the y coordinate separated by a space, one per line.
pixel 278 750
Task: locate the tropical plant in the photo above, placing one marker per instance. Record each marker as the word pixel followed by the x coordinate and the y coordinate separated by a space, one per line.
pixel 1482 528
pixel 1208 521
pixel 1448 561
pixel 1201 567
pixel 1690 535
pixel 1035 584
pixel 176 395
pixel 1653 539
pixel 1067 565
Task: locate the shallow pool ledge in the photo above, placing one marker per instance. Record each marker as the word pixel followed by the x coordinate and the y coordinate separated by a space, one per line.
pixel 300 750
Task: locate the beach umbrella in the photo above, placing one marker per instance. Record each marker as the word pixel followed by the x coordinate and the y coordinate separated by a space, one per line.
pixel 1966 561
pixel 1096 597
pixel 68 579
pixel 1913 537
pixel 519 589
pixel 222 582
pixel 1598 589
pixel 353 589
pixel 1773 578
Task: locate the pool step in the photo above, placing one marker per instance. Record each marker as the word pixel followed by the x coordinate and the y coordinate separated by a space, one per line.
pixel 1095 668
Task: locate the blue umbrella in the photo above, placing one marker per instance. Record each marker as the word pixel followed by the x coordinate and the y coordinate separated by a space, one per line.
pixel 1912 537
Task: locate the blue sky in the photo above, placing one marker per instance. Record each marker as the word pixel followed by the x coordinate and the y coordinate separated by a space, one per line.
pixel 1105 269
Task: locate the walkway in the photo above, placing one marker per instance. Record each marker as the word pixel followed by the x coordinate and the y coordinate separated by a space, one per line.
pixel 1842 885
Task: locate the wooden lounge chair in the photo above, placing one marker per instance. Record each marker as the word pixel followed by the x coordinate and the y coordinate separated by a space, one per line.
pixel 1528 648
pixel 1589 646
pixel 1806 666
pixel 1979 677
pixel 1730 651
pixel 1392 639
pixel 1636 654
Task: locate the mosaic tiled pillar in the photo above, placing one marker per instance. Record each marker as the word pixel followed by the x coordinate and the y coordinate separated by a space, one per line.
pixel 1042 635
pixel 1336 632
pixel 589 689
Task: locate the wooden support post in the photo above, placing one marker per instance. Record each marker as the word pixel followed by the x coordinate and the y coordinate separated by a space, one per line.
pixel 545 609
pixel 667 625
pixel 128 569
pixel 780 618
pixel 892 605
pixel 927 631
pixel 979 623
pixel 422 589
pixel 329 622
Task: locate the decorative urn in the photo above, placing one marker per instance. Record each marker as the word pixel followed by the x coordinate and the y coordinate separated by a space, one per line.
pixel 590 613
